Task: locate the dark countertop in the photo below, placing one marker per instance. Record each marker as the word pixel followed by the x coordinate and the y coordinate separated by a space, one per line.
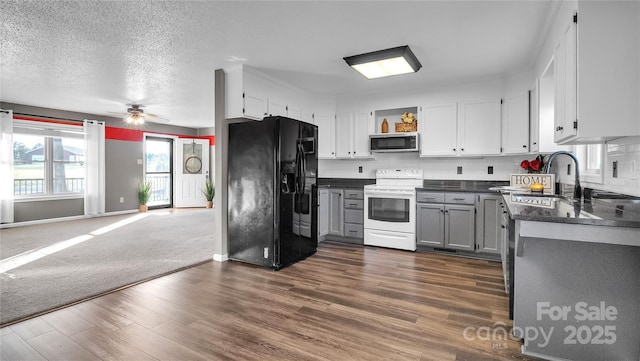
pixel 349 183
pixel 471 186
pixel 605 209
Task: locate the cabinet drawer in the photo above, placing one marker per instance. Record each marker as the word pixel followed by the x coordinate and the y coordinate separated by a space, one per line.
pixel 354 216
pixel 460 198
pixel 429 197
pixel 353 230
pixel 353 194
pixel 353 204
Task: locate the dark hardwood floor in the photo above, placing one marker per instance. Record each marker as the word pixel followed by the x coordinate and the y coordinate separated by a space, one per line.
pixel 344 303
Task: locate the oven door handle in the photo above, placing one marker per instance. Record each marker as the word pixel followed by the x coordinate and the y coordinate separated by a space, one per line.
pixel 387 235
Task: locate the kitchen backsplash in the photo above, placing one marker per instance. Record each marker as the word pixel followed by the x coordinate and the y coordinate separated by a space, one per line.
pixel 434 168
pixel 624 151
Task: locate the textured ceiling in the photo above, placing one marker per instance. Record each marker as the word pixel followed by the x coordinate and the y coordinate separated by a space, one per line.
pixel 96 56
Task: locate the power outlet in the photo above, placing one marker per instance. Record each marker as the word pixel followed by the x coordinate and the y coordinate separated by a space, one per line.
pixel 490 169
pixel 266 252
pixel 360 169
pixel 459 170
pixel 121 199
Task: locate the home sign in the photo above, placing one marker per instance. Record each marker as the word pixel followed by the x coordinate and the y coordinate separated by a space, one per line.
pixel 525 180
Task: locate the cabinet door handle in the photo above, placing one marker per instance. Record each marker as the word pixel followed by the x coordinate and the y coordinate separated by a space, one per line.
pixel 462 149
pixel 524 146
pixel 458 199
pixel 503 227
pixel 454 149
pixel 441 211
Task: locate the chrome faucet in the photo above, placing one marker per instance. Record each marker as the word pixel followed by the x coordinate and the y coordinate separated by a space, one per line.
pixel 577 191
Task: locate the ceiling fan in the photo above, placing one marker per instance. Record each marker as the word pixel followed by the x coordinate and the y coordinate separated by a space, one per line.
pixel 135 115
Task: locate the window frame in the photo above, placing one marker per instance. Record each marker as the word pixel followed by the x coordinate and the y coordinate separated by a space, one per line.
pixel 48 131
pixel 591 175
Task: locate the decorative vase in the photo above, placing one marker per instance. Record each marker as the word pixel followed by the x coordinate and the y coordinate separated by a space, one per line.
pixel 385 126
pixel 143 208
pixel 209 204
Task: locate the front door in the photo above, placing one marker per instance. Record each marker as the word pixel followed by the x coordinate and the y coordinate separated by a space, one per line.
pixel 192 171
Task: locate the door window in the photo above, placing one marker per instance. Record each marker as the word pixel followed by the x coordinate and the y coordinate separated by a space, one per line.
pixel 159 170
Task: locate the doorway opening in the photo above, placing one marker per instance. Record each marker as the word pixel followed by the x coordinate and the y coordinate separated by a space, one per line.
pixel 159 171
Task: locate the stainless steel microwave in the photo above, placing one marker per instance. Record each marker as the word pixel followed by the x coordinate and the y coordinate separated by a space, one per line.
pixel 394 142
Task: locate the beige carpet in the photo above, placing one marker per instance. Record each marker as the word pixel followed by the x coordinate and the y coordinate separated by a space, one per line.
pixel 49 265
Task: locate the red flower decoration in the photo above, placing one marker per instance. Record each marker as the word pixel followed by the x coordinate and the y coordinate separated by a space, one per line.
pixel 534 164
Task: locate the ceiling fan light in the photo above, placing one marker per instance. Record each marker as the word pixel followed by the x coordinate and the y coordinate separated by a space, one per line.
pixel 134 119
pixel 382 63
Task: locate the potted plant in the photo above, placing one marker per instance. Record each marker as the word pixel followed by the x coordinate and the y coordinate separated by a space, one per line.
pixel 209 192
pixel 144 193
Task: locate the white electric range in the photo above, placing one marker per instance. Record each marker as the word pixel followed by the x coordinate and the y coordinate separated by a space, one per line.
pixel 390 209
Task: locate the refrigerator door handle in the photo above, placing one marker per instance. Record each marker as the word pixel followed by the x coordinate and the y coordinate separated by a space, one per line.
pixel 303 168
pixel 296 183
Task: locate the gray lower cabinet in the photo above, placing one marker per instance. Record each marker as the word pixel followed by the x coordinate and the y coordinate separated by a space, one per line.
pixel 430 224
pixel 345 215
pixel 488 223
pixel 459 227
pixel 336 212
pixel 354 215
pixel 323 213
pixel 446 220
pixel 460 221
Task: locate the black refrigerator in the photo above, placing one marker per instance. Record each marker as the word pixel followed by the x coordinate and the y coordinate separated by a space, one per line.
pixel 272 191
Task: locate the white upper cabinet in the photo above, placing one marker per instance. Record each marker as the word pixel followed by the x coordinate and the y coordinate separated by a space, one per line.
pixel 565 93
pixel 534 118
pixel 362 127
pixel 295 112
pixel 254 95
pixel 326 135
pixel 598 73
pixel 352 134
pixel 343 135
pixel 479 127
pixel 245 96
pixel 438 128
pixel 254 106
pixel 276 107
pixel 515 124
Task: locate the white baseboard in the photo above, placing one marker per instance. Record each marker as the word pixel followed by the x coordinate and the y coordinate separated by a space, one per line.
pixel 63 219
pixel 220 257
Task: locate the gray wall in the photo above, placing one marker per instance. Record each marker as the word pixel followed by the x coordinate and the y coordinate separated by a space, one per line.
pixel 35 210
pixel 122 172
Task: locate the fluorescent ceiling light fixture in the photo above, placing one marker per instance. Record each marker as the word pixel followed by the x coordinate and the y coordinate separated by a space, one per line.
pixel 378 64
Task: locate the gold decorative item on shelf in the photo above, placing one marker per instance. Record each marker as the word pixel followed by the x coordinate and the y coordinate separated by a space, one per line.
pixel 409 123
pixel 385 126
